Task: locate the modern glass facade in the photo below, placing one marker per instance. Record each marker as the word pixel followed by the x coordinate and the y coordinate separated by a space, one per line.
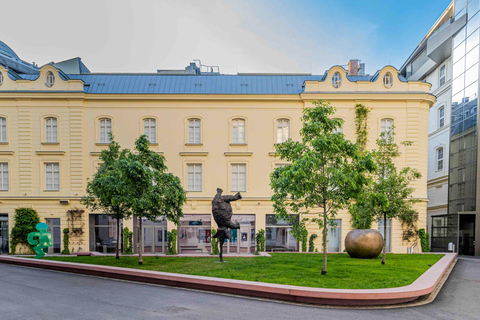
pixel 103 233
pixel 278 236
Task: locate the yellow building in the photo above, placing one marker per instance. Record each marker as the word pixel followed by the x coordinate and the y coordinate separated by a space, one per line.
pixel 214 131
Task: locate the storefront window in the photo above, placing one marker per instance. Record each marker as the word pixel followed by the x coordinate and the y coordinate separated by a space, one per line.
pixel 194 235
pixel 54 229
pixel 154 236
pixel 103 233
pixel 278 236
pixel 243 239
pixel 3 233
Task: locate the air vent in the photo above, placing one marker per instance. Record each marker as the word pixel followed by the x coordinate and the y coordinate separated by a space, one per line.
pixel 244 84
pixel 64 201
pixel 101 84
pixel 289 84
pixel 152 84
pixel 198 84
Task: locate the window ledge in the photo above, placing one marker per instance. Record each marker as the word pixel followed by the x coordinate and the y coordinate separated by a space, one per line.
pixel 194 144
pixel 50 143
pixel 51 190
pixel 153 144
pixel 103 143
pixel 272 154
pixel 6 153
pixel 193 153
pixel 48 153
pixel 3 143
pixel 237 153
pixel 238 144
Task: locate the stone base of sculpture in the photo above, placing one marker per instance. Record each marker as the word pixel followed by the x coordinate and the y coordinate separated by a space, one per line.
pixel 364 243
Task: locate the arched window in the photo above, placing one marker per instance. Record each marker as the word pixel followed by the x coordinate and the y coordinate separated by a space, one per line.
pixel 386 128
pixel 50 79
pixel 3 129
pixel 336 80
pixel 51 129
pixel 440 159
pixel 105 130
pixel 238 131
pixel 283 130
pixel 150 129
pixel 388 80
pixel 338 129
pixel 441 117
pixel 194 131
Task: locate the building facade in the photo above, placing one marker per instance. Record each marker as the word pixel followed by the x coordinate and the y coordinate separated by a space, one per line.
pixel 214 130
pixel 447 58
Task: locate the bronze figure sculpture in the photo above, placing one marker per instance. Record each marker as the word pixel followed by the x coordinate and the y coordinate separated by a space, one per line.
pixel 222 213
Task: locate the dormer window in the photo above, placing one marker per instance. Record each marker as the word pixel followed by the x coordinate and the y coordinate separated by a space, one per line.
pixel 50 79
pixel 388 80
pixel 336 80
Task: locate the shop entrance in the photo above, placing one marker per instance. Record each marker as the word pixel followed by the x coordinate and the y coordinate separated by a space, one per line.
pixel 194 234
pixel 154 236
pixel 466 234
pixel 54 229
pixel 243 239
pixel 4 233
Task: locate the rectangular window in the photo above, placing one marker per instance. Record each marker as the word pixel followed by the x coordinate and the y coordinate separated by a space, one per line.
pixel 194 131
pixel 441 117
pixel 283 130
pixel 194 177
pixel 239 177
pixel 238 131
pixel 440 159
pixel 387 238
pixel 51 129
pixel 3 130
pixel 105 129
pixel 150 130
pixel 4 176
pixel 387 127
pixel 52 176
pixel 443 75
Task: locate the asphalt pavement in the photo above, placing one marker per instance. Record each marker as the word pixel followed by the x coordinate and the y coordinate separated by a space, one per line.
pixel 27 293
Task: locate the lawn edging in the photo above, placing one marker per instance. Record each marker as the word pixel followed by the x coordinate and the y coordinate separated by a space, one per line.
pixel 424 284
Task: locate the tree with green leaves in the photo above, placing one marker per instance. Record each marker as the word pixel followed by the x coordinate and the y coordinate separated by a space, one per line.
pixel 325 172
pixel 389 195
pixel 152 191
pixel 107 192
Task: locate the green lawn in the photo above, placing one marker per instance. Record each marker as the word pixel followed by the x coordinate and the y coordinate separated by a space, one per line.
pixel 287 268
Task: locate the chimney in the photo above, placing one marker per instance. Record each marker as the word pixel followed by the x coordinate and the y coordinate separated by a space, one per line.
pixel 353 67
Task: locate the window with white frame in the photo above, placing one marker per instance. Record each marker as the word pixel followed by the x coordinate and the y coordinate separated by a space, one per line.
pixel 441 117
pixel 388 80
pixel 386 126
pixel 50 79
pixel 4 176
pixel 194 177
pixel 442 76
pixel 51 129
pixel 105 130
pixel 336 80
pixel 239 177
pixel 338 129
pixel 440 159
pixel 194 131
pixel 283 130
pixel 1 78
pixel 150 129
pixel 238 131
pixel 3 129
pixel 52 176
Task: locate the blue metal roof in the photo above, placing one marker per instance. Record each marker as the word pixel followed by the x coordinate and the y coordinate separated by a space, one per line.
pixel 8 51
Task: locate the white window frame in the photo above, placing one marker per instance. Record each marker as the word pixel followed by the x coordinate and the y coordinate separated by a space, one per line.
pixel 194 131
pixel 4 176
pixel 3 129
pixel 441 119
pixel 442 76
pixel 1 78
pixel 239 175
pixel 336 80
pixel 52 176
pixel 439 158
pixel 338 129
pixel 282 126
pixel 388 80
pixel 150 129
pixel 105 127
pixel 194 177
pixel 50 80
pixel 385 127
pixel 51 129
pixel 237 125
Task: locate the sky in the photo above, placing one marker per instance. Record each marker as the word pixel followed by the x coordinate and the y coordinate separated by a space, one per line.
pixel 239 36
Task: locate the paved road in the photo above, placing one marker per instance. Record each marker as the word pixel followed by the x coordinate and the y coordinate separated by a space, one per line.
pixel 27 293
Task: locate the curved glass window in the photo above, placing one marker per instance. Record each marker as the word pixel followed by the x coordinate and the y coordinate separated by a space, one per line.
pixel 388 80
pixel 283 130
pixel 50 79
pixel 336 80
pixel 238 131
pixel 150 129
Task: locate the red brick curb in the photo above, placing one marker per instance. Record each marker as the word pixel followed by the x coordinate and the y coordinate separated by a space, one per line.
pixel 425 284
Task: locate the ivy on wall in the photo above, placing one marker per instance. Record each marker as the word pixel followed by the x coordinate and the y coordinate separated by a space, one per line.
pixel 127 241
pixel 172 242
pixel 66 250
pixel 260 241
pixel 311 245
pixel 424 240
pixel 25 221
pixel 361 124
pixel 304 239
pixel 215 249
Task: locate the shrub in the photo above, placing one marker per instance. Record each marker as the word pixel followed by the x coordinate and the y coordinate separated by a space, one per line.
pixel 172 242
pixel 65 250
pixel 260 241
pixel 424 240
pixel 311 245
pixel 127 241
pixel 215 249
pixel 25 221
pixel 304 240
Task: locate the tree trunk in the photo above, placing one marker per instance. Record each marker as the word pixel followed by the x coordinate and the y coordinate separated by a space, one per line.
pixel 325 243
pixel 118 240
pixel 384 236
pixel 140 242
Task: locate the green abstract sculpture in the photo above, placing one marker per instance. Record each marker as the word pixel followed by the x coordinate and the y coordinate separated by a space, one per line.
pixel 44 239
